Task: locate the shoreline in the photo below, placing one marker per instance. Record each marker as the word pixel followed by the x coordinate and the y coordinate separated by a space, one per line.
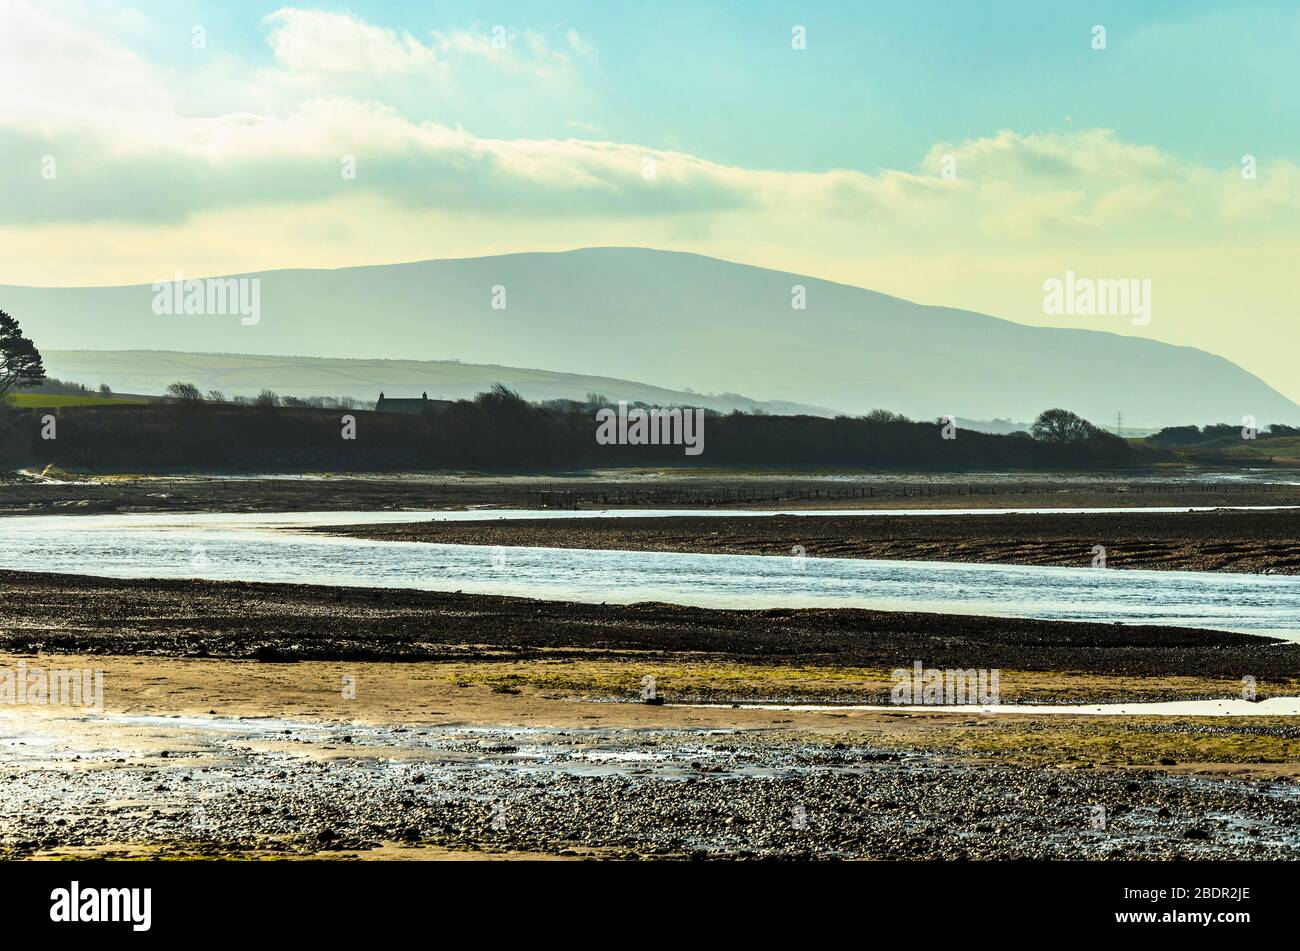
pixel 243 760
pixel 584 490
pixel 287 622
pixel 1221 540
pixel 260 721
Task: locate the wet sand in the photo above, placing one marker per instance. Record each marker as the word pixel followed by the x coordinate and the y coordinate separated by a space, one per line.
pixel 220 758
pixel 284 622
pixel 707 489
pixel 512 729
pixel 1265 541
pixel 291 721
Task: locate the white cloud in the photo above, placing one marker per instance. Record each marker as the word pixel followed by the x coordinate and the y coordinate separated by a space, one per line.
pixel 580 45
pixel 128 153
pixel 317 41
pixel 1092 154
pixel 526 52
pixel 58 73
pixel 1017 188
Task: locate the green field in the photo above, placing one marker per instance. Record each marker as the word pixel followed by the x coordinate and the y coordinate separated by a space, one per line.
pixel 55 400
pixel 1274 450
pixel 1282 448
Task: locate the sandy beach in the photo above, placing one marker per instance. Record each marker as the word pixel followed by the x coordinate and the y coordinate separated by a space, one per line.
pixel 222 758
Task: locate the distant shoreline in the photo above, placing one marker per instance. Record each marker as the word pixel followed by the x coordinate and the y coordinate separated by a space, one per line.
pixel 312 490
pixel 1225 540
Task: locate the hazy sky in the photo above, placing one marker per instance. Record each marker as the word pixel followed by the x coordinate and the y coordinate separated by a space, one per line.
pixel 137 140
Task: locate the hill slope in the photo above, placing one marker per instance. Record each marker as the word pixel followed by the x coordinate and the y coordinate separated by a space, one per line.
pixel 150 371
pixel 682 320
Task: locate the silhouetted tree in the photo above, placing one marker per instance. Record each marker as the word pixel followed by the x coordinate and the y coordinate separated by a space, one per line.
pixel 501 397
pixel 1177 436
pixel 1062 426
pixel 20 361
pixel 184 393
pixel 885 416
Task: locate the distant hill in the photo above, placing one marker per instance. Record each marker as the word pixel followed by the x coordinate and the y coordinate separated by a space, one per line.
pixel 150 371
pixel 680 320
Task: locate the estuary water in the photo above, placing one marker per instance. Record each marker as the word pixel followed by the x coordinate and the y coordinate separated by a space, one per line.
pixel 273 548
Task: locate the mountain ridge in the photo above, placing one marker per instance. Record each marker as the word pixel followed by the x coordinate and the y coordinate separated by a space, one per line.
pixel 686 321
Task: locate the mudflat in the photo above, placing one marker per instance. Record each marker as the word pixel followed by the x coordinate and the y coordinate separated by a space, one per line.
pixel 443 760
pixel 179 618
pixel 594 490
pixel 246 720
pixel 283 721
pixel 1262 540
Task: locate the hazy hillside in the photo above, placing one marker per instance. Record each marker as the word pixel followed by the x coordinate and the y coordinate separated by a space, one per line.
pixel 682 321
pixel 150 371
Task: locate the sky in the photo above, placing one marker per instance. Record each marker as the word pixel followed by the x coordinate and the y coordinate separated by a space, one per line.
pixel 950 153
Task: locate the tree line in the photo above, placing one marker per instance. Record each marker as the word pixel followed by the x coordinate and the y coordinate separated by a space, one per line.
pixel 500 429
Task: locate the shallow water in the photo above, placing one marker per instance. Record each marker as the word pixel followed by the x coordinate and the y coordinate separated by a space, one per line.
pixel 1272 707
pixel 102 785
pixel 265 548
pixel 264 520
pixel 1263 475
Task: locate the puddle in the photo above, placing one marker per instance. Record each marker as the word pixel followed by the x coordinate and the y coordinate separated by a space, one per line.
pixel 1274 706
pixel 90 781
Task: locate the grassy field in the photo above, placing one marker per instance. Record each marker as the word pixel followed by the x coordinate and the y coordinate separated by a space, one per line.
pixel 1282 450
pixel 56 401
